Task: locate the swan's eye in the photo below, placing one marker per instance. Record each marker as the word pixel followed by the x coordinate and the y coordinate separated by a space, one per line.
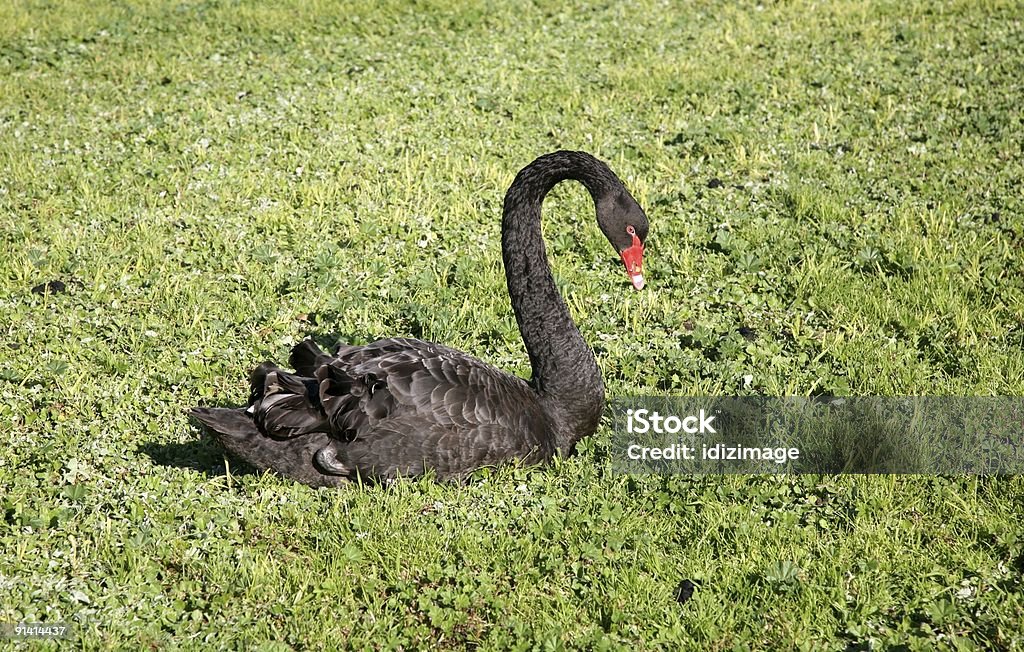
pixel 630 230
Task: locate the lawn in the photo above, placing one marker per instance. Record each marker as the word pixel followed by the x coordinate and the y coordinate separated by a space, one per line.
pixel 188 188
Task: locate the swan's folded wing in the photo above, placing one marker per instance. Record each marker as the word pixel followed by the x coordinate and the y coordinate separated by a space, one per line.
pixel 406 405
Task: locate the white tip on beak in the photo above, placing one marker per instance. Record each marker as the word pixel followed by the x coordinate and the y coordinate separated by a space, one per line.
pixel 638 281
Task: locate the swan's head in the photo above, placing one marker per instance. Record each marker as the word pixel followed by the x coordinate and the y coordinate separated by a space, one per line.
pixel 625 225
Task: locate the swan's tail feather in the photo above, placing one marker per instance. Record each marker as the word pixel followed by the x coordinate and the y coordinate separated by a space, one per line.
pixel 306 357
pixel 237 432
pixel 233 423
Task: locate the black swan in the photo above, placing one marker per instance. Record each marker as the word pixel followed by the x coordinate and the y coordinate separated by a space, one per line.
pixel 400 407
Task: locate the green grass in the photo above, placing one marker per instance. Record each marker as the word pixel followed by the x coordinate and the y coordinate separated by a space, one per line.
pixel 835 197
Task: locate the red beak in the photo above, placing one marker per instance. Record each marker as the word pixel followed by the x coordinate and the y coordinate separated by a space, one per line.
pixel 633 259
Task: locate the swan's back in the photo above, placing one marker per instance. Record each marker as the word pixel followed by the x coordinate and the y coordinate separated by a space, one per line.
pixel 394 407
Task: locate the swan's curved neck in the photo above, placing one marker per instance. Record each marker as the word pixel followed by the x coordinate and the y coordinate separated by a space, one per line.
pixel 565 373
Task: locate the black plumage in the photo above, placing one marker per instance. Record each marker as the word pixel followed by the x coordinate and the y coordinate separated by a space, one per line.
pixel 398 407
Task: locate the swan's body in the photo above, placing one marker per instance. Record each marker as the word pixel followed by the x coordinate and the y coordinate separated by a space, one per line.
pixel 400 407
